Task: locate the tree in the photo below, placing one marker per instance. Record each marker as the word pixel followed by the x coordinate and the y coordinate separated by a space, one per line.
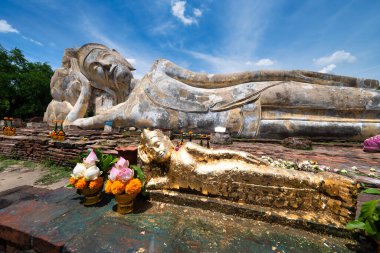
pixel 24 85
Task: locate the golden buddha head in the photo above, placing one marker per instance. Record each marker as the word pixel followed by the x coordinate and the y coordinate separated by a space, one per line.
pixel 155 147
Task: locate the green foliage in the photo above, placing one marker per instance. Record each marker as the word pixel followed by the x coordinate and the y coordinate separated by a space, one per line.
pixel 6 162
pixel 54 173
pixel 372 191
pixel 368 221
pixel 24 86
pixel 140 175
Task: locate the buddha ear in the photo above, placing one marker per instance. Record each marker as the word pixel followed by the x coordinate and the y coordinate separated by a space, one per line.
pixel 143 155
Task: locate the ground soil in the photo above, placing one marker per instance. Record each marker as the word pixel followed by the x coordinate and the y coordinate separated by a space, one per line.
pixel 18 174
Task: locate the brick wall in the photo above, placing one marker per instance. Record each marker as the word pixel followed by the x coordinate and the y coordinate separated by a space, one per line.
pixel 35 145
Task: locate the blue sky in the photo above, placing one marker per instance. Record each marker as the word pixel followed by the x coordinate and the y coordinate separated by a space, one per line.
pixel 215 36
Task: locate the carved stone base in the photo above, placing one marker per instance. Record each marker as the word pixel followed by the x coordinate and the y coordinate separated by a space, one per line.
pixel 308 220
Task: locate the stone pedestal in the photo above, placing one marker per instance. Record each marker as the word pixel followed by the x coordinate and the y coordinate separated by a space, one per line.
pixel 220 138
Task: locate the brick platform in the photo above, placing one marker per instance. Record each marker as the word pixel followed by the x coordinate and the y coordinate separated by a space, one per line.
pixel 40 220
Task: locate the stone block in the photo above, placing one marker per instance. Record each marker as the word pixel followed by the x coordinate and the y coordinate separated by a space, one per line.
pixel 17 237
pixel 297 143
pixel 36 125
pixel 41 245
pixel 221 138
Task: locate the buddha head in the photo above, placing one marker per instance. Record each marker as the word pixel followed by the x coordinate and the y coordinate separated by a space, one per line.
pixel 107 68
pixel 155 147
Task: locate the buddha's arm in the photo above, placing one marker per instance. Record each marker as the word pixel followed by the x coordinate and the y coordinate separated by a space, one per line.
pixel 81 105
pixel 213 81
pixel 204 154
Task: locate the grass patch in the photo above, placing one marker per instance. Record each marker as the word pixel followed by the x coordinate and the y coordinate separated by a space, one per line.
pixel 54 173
pixel 6 162
pixel 29 164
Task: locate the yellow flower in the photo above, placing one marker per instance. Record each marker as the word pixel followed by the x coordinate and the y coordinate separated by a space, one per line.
pixel 96 184
pixel 117 187
pixel 108 187
pixel 133 186
pixel 72 181
pixel 81 184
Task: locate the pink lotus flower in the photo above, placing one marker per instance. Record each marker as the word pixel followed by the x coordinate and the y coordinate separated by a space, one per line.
pixel 91 159
pixel 125 174
pixel 113 173
pixel 122 163
pixel 121 171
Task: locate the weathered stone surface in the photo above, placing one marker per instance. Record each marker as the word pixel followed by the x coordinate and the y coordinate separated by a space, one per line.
pixel 92 78
pixel 220 138
pixel 264 104
pixel 297 143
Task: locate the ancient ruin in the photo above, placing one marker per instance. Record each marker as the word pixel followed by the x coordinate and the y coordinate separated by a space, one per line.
pixel 102 108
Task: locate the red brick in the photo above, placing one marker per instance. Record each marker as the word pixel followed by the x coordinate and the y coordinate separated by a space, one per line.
pixel 19 238
pixel 41 245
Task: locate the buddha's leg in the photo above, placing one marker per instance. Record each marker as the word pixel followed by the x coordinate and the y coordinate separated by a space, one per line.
pixel 299 109
pixel 280 188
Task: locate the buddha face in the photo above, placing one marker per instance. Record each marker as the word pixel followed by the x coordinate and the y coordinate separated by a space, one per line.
pixel 106 69
pixel 155 146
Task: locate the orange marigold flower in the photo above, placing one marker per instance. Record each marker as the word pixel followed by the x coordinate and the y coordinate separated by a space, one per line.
pixel 81 184
pixel 133 186
pixel 117 187
pixel 96 184
pixel 72 181
pixel 108 186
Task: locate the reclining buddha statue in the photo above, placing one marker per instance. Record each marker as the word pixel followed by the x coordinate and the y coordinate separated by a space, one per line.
pixel 95 80
pixel 324 197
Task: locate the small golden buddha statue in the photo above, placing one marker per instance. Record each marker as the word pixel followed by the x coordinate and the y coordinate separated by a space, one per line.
pixel 239 176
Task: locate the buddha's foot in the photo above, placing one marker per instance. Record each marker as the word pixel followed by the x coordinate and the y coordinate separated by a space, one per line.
pixel 339 188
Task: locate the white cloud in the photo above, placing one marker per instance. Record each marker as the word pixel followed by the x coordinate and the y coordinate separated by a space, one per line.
pixel 178 10
pixel 6 28
pixel 225 64
pixel 328 68
pixel 264 62
pixel 340 56
pixel 261 63
pixel 162 29
pixel 197 12
pixel 218 64
pixel 33 41
pixel 132 61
